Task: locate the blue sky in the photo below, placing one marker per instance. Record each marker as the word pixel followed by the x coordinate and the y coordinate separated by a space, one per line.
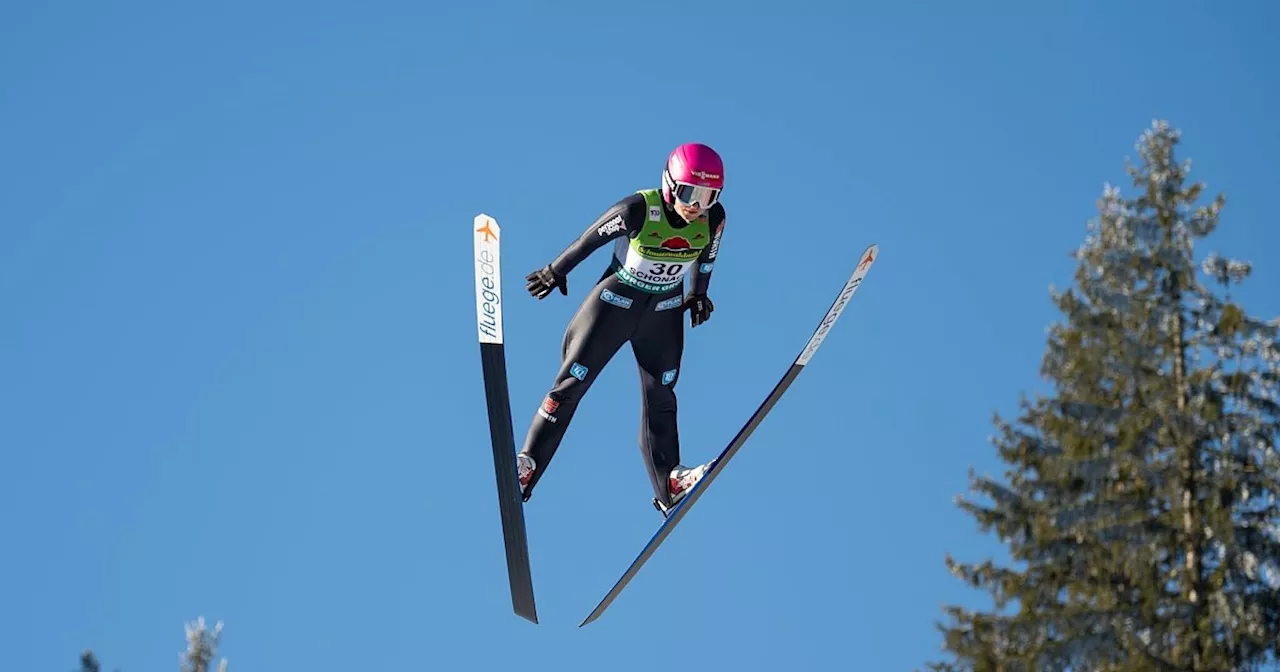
pixel 239 375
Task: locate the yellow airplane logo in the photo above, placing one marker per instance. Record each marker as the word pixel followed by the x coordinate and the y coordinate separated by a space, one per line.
pixel 488 232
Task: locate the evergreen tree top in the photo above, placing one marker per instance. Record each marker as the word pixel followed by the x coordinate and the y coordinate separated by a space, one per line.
pixel 1140 503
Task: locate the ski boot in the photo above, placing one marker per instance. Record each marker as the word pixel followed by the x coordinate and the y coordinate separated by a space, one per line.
pixel 679 484
pixel 525 468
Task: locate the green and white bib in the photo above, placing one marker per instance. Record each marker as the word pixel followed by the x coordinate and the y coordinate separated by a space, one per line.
pixel 657 259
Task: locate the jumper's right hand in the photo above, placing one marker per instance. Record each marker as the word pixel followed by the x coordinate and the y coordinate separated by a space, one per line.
pixel 542 281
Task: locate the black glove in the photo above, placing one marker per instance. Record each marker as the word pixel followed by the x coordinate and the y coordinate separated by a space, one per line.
pixel 699 307
pixel 542 281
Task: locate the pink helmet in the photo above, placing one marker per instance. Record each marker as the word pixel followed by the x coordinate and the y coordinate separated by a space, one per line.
pixel 694 175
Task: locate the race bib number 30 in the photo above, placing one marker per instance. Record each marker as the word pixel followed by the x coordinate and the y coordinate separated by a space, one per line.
pixel 657 271
pixel 654 275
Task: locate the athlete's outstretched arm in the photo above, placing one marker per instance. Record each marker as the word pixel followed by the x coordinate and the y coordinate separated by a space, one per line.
pixel 621 219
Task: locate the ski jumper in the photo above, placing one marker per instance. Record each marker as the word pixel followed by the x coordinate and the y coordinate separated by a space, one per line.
pixel 639 299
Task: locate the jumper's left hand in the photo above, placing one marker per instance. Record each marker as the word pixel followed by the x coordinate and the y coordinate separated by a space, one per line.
pixel 699 307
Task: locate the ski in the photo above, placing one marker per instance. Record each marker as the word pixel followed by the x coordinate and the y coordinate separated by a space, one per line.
pixel 673 516
pixel 488 260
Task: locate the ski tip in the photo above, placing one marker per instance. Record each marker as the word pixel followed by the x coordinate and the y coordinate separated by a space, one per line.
pixel 868 258
pixel 486 226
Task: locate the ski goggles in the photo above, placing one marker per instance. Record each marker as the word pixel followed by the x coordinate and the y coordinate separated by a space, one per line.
pixel 689 194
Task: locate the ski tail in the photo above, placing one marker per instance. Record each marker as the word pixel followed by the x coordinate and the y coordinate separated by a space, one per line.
pixel 801 361
pixel 488 264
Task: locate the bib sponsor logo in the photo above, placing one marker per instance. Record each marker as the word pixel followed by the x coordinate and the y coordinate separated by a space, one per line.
pixel 626 276
pixel 675 247
pixel 655 213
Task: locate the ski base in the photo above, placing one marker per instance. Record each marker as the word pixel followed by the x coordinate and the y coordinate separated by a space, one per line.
pixel 497 398
pixel 673 516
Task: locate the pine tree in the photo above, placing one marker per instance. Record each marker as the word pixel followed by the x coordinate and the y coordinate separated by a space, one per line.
pixel 202 647
pixel 1140 506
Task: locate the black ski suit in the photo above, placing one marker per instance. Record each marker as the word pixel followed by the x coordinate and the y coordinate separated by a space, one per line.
pixel 615 312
